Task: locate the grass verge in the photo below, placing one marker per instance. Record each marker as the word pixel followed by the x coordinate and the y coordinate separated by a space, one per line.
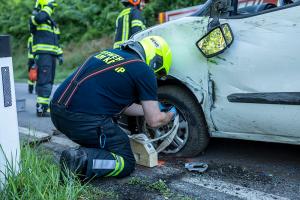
pixel 39 179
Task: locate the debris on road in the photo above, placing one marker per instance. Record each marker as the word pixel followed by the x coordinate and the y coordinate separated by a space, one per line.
pixel 196 166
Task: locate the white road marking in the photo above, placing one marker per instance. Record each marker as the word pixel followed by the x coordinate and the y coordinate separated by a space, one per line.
pixel 231 189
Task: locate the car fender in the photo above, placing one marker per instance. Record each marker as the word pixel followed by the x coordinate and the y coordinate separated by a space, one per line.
pixel 189 66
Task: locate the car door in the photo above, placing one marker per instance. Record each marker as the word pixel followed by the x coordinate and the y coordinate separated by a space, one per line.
pixel 256 82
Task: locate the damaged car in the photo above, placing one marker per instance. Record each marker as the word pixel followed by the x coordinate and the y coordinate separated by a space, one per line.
pixel 235 74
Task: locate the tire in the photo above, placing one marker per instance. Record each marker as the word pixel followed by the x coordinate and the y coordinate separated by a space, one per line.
pixel 188 109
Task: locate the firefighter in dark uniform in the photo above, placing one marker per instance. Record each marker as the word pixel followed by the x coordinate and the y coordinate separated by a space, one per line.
pixel 129 22
pixel 30 63
pixel 46 50
pixel 109 83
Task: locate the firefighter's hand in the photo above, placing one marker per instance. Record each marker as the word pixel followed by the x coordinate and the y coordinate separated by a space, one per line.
pixel 60 59
pixel 165 108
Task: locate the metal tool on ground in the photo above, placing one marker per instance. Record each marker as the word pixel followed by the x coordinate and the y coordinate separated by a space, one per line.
pixel 143 149
pixel 196 166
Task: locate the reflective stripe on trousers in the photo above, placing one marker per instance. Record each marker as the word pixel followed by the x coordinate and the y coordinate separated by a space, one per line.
pixel 42 100
pixel 116 165
pixel 29 82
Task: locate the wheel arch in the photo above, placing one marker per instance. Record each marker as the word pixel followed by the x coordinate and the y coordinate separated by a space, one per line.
pixel 193 110
pixel 174 81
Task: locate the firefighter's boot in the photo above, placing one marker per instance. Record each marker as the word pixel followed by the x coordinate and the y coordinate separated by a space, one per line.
pixel 42 110
pixel 73 162
pixel 30 88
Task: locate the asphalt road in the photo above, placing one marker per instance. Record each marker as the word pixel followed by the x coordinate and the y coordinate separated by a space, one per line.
pixel 28 118
pixel 237 169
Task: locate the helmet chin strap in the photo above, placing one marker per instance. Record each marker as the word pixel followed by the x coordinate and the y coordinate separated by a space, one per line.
pixel 136 47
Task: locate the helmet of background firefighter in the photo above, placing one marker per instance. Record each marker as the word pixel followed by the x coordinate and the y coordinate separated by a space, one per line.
pixel 156 53
pixel 132 2
pixel 39 4
pixel 139 3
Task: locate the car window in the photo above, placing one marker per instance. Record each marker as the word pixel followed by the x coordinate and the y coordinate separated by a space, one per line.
pixel 246 8
pixel 256 6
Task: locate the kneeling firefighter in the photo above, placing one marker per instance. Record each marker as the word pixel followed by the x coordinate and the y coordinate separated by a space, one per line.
pixel 87 103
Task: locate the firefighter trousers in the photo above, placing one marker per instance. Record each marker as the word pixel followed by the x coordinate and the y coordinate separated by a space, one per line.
pixel 106 144
pixel 46 72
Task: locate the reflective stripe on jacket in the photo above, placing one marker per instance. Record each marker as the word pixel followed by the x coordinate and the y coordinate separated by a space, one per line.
pixel 29 47
pixel 129 22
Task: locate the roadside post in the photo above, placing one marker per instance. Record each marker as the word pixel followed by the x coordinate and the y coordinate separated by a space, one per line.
pixel 9 135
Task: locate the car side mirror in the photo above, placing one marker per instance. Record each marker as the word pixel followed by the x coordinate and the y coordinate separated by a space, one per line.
pixel 216 41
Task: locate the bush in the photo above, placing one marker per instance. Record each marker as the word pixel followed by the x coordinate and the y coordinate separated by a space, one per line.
pixel 78 20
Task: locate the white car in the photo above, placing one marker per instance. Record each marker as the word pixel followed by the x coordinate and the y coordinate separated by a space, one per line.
pixel 250 90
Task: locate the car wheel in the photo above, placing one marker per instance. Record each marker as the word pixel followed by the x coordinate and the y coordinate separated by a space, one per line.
pixel 192 136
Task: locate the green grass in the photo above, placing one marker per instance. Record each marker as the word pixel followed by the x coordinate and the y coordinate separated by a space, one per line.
pixel 75 53
pixel 136 181
pixel 39 179
pixel 161 187
pixel 158 186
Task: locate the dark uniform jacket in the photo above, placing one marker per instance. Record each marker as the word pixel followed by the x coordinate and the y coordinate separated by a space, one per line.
pixel 45 33
pixel 125 79
pixel 129 22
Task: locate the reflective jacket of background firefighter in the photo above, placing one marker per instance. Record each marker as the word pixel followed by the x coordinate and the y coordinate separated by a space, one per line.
pixel 45 33
pixel 30 56
pixel 129 22
pixel 29 51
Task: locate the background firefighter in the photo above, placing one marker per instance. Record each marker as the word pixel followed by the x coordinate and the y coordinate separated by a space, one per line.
pixel 129 21
pixel 46 50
